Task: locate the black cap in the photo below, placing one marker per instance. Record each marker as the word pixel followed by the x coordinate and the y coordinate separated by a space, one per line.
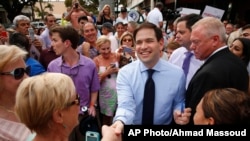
pixel 108 25
pixel 123 9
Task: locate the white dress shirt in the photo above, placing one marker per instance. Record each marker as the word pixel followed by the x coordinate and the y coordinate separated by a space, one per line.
pixel 177 58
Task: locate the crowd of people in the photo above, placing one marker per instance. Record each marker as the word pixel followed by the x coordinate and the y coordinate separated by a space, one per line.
pixel 124 72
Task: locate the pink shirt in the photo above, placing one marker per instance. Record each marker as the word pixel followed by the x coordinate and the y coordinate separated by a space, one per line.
pixel 13 131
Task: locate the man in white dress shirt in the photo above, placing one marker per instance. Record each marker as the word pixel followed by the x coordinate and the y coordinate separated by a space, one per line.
pixel 155 15
pixel 178 56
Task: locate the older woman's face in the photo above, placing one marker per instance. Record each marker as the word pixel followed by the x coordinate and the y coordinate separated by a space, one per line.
pixel 105 50
pixel 199 118
pixel 8 83
pixel 127 41
pixel 237 48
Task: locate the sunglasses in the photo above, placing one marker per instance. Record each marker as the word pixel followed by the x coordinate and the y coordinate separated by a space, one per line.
pixel 75 102
pixel 52 21
pixel 127 40
pixel 18 73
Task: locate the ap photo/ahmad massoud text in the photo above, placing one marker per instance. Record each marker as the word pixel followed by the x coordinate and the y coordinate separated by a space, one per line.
pixel 163 131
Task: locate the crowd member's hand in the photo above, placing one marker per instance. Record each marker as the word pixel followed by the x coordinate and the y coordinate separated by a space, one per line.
pixel 109 134
pixel 37 44
pixel 101 13
pixel 3 39
pixel 120 49
pixel 85 49
pixel 92 111
pixel 182 118
pixel 112 69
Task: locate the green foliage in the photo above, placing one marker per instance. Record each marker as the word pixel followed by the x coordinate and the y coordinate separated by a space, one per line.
pixel 14 7
pixel 42 11
pixel 89 5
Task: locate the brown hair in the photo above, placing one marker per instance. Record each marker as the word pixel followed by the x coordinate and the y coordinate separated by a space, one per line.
pixel 67 33
pixel 227 106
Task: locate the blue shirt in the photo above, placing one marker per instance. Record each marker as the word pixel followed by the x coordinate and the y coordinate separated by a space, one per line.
pixel 35 66
pixel 46 38
pixel 169 92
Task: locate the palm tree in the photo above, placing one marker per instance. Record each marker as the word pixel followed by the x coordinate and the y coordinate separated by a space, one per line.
pixel 41 12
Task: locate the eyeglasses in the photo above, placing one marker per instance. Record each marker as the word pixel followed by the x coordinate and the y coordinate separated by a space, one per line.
pixel 18 73
pixel 127 40
pixel 75 102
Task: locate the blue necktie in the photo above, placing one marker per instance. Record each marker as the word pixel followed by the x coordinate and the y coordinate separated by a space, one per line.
pixel 149 100
pixel 186 62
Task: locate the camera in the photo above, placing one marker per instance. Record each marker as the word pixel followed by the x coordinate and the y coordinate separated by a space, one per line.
pixel 169 14
pixel 76 5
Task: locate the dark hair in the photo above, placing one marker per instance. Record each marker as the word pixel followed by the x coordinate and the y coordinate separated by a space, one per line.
pixel 159 5
pixel 246 27
pixel 227 106
pixel 85 18
pixel 246 49
pixel 20 40
pixel 48 15
pixel 147 25
pixel 190 19
pixel 67 33
pixel 108 26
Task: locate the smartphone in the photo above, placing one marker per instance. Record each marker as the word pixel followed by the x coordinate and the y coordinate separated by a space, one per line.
pixel 127 49
pixel 112 65
pixel 92 136
pixel 31 34
pixel 4 34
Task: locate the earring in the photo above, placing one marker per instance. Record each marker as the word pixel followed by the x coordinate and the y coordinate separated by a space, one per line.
pixel 64 125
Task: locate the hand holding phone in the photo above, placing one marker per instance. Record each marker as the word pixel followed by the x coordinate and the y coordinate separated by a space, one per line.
pixel 127 49
pixel 112 65
pixel 92 136
pixel 31 34
pixel 4 34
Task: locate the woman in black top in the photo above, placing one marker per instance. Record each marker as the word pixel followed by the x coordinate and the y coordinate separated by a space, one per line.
pixel 105 15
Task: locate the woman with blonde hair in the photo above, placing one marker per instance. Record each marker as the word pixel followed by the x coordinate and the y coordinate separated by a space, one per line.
pixel 48 105
pixel 126 49
pixel 107 66
pixel 105 15
pixel 13 71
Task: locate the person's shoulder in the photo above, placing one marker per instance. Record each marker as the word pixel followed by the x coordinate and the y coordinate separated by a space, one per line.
pixel 33 62
pixel 130 67
pixel 177 53
pixel 55 62
pixel 86 60
pixel 165 65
